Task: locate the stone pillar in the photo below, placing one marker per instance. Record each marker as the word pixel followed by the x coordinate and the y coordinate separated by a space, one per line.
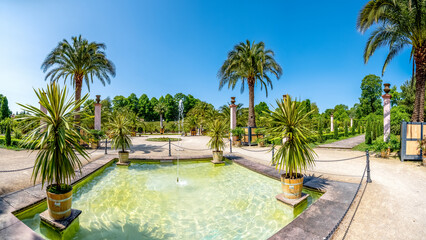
pixel 233 113
pixel 352 122
pixel 98 107
pixel 386 112
pixel 331 123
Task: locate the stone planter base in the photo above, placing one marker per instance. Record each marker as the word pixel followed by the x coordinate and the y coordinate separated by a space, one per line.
pixel 292 202
pixel 123 164
pixel 63 229
pixel 219 163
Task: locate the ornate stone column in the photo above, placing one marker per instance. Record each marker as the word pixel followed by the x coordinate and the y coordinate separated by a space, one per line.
pixel 331 123
pixel 352 122
pixel 233 114
pixel 98 107
pixel 386 112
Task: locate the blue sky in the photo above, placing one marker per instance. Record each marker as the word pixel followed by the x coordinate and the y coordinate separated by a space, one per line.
pixel 162 47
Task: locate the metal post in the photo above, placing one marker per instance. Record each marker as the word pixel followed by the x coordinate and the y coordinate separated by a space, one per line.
pixel 368 167
pixel 106 145
pixel 273 152
pixel 230 145
pixel 170 148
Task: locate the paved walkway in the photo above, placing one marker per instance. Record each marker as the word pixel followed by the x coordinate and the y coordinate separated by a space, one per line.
pixel 392 207
pixel 348 143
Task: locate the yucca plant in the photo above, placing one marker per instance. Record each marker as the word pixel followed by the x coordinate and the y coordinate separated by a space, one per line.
pixel 289 122
pixel 56 137
pixel 119 125
pixel 217 132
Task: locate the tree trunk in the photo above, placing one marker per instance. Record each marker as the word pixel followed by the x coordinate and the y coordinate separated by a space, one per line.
pixel 251 114
pixel 420 59
pixel 78 84
pixel 161 121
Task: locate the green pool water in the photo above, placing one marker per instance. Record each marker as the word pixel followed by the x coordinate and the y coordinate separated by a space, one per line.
pixel 144 201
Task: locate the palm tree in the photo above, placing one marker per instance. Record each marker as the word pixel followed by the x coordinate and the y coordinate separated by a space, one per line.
pixel 402 23
pixel 160 108
pixel 251 63
pixel 290 121
pixel 57 139
pixel 80 61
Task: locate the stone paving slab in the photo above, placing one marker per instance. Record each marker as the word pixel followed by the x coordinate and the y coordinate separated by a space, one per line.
pixel 345 144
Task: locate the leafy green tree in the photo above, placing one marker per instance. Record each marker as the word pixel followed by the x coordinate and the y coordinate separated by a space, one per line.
pixel 336 132
pixel 374 130
pixel 154 116
pixel 346 129
pixel 249 63
pixel 172 108
pixel 340 112
pixel 132 103
pixel 81 61
pixel 119 102
pixel 371 92
pixel 8 138
pixel 320 131
pixel 4 110
pixel 400 24
pixel 145 108
pixel 398 114
pixel 368 137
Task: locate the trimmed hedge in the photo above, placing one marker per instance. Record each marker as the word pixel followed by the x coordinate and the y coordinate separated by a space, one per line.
pixel 14 142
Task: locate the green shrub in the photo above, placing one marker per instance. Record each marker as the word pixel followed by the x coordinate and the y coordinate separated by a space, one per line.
pixel 346 130
pixel 379 145
pixel 394 142
pixel 368 139
pixel 336 132
pixel 353 130
pixel 8 138
pixel 320 135
pixel 17 133
pixel 374 130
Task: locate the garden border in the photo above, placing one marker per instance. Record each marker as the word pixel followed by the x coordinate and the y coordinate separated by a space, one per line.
pixel 316 222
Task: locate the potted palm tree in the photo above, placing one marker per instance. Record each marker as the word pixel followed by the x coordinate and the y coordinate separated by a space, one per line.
pixel 217 132
pixel 295 155
pixel 238 133
pixel 57 140
pixel 161 108
pixel 119 133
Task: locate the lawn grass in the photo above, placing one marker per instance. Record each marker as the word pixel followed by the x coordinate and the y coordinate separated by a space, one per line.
pixel 163 139
pixel 11 148
pixel 363 147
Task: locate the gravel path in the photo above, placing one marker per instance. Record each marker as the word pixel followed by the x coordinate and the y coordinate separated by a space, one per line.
pixel 392 207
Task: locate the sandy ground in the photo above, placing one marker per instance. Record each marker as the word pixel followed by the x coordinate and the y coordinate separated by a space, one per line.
pixel 392 207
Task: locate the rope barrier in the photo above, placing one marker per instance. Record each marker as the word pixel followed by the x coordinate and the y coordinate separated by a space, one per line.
pixel 266 150
pixel 191 149
pixel 347 210
pixel 16 170
pixel 340 160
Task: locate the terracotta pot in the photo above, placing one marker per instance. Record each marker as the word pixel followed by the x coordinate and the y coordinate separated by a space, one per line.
pixel 59 205
pixel 193 132
pixel 217 156
pixel 93 145
pixel 123 157
pixel 133 134
pixel 161 130
pixel 384 154
pixel 261 144
pixel 292 188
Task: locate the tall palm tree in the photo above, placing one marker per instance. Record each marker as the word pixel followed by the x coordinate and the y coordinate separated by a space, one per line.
pixel 160 108
pixel 250 63
pixel 401 23
pixel 80 61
